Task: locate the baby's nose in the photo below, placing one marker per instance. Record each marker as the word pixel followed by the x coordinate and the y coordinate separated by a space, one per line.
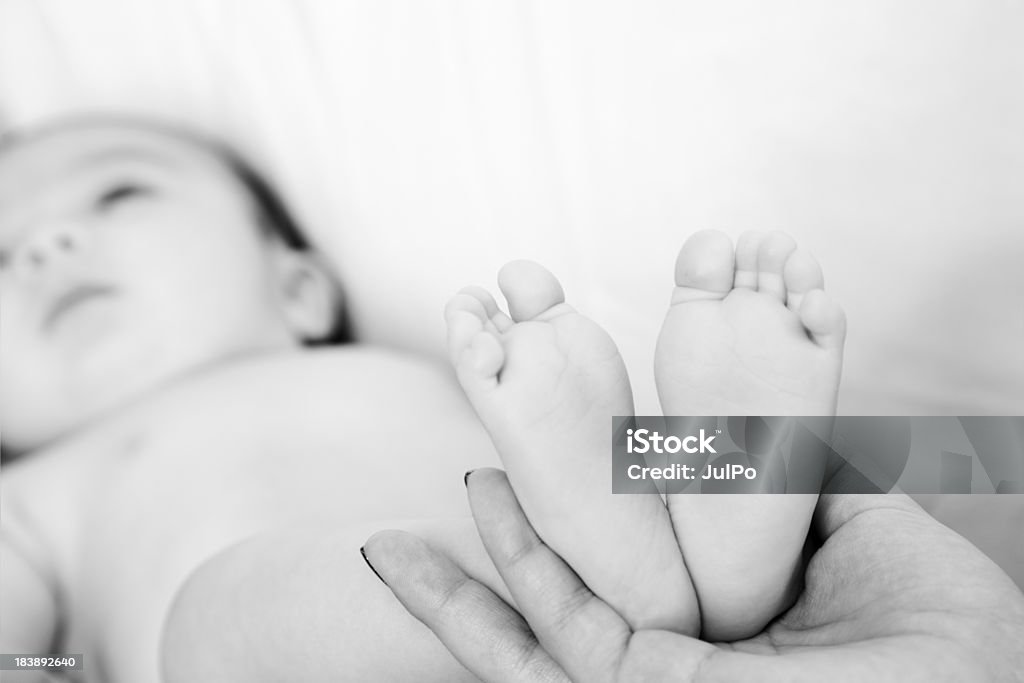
pixel 51 246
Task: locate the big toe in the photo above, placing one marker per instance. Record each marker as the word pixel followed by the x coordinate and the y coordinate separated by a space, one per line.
pixel 705 267
pixel 530 289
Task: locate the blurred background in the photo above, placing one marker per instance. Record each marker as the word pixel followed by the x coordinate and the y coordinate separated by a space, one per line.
pixel 424 144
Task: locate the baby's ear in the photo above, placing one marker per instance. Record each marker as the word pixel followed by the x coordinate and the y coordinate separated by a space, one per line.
pixel 310 297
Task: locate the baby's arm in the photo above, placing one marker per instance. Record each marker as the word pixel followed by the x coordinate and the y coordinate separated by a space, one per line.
pixel 303 605
pixel 28 605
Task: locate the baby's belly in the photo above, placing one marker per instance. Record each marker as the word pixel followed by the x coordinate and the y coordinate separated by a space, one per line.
pixel 346 436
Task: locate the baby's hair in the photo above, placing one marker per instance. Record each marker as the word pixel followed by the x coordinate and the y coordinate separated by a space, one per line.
pixel 270 209
pixel 277 220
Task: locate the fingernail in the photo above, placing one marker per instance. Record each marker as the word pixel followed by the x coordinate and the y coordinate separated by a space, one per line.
pixel 465 477
pixel 362 551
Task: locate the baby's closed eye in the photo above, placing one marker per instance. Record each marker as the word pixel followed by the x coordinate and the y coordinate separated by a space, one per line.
pixel 120 193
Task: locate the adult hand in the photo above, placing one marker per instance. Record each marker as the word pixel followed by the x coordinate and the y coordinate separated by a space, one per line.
pixel 891 595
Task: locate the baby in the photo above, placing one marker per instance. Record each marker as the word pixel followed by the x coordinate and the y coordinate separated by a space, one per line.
pixel 156 382
pixel 195 473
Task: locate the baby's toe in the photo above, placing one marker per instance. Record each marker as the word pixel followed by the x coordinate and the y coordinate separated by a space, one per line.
pixel 747 247
pixel 498 319
pixel 772 255
pixel 466 316
pixel 480 363
pixel 800 275
pixel 705 267
pixel 530 289
pixel 824 319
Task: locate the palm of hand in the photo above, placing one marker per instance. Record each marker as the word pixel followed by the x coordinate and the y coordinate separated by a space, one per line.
pixel 891 595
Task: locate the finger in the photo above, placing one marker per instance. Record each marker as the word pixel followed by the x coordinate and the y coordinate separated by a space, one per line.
pixel 482 631
pixel 580 631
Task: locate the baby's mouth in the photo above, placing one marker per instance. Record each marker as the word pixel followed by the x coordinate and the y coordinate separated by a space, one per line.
pixel 73 299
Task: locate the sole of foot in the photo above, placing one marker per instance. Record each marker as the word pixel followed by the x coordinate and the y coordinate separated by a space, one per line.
pixel 546 381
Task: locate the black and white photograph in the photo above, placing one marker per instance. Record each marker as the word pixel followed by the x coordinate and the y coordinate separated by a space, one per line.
pixel 513 341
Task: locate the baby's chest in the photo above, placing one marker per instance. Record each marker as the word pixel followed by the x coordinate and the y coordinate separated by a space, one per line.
pixel 177 485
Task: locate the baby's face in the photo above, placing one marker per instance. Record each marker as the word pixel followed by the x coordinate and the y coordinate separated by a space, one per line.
pixel 127 257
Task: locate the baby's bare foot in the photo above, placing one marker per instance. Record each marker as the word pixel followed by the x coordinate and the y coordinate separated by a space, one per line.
pixel 546 382
pixel 749 332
